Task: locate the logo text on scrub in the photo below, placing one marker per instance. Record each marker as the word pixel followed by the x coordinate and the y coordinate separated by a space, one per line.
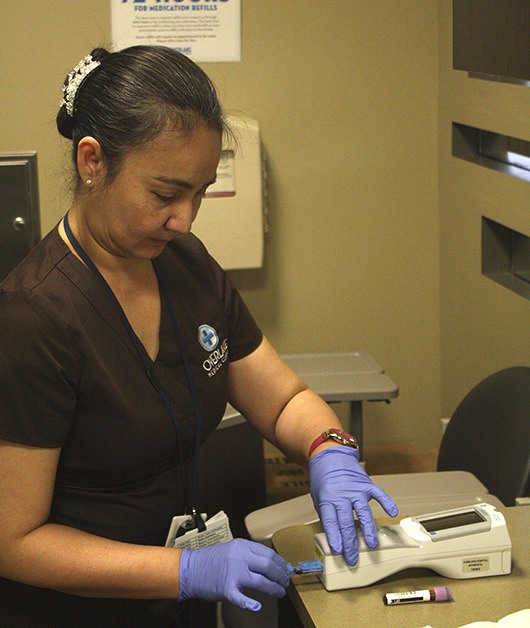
pixel 216 359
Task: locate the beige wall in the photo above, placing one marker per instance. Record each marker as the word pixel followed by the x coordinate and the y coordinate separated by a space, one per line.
pixel 347 102
pixel 346 94
pixel 485 327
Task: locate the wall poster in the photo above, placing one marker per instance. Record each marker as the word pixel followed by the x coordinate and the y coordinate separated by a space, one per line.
pixel 205 30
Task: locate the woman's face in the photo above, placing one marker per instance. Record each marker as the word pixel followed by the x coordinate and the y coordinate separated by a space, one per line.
pixel 156 194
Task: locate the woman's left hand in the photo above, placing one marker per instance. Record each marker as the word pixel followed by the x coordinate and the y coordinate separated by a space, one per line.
pixel 339 485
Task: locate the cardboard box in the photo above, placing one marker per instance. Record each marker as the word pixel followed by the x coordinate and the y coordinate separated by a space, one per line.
pixel 284 479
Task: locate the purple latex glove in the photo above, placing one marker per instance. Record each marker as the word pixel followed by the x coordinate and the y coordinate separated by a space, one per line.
pixel 339 485
pixel 220 572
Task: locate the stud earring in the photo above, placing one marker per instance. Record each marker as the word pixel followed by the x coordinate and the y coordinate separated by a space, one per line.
pixel 89 181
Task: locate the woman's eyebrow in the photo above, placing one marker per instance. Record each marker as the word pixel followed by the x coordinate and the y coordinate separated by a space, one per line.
pixel 180 182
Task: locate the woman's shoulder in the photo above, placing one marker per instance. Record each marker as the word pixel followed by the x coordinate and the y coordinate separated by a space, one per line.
pixel 40 286
pixel 36 267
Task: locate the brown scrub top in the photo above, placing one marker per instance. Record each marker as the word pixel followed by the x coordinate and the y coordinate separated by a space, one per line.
pixel 71 377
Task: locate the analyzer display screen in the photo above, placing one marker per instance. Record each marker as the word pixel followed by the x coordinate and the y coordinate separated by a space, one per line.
pixel 455 520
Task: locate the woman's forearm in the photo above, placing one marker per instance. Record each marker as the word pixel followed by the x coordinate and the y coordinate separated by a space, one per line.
pixel 69 560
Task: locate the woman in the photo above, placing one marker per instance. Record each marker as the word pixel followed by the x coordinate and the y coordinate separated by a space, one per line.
pixel 105 329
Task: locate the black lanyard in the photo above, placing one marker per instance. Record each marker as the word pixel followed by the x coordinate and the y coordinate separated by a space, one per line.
pixel 149 369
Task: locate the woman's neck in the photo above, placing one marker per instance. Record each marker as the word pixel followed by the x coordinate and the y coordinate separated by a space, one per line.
pixel 117 270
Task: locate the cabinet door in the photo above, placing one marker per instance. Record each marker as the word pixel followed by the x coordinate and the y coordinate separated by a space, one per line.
pixel 492 37
pixel 19 214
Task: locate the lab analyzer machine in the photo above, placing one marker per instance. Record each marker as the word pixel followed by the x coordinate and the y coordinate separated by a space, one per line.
pixel 470 542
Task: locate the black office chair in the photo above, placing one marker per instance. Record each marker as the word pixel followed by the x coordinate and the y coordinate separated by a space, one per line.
pixel 489 435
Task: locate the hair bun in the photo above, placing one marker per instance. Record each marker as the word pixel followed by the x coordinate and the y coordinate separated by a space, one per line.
pixel 98 54
pixel 65 123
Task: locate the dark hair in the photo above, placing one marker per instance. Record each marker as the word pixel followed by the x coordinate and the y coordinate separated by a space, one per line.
pixel 133 96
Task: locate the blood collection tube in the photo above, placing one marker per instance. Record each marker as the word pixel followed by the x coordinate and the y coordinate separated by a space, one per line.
pixel 438 594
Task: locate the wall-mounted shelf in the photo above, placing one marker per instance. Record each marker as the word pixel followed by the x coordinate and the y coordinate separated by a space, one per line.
pixel 499 152
pixel 506 257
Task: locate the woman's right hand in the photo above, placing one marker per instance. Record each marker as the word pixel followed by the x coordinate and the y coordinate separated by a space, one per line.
pixel 220 573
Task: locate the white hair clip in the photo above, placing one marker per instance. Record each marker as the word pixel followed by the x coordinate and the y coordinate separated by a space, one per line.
pixel 75 78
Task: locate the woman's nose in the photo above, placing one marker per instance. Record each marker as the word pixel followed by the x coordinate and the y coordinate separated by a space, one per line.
pixel 181 218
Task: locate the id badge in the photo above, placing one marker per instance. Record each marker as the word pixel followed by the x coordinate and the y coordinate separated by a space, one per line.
pixel 180 525
pixel 184 533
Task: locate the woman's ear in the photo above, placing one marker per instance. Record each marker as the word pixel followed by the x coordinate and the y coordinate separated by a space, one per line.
pixel 89 160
